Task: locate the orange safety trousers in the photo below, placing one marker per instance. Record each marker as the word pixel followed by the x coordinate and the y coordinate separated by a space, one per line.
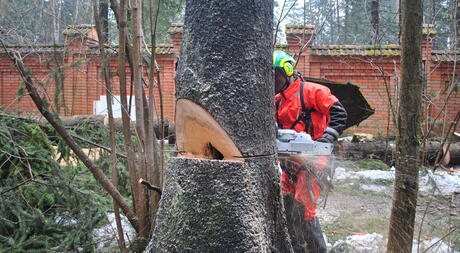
pixel 298 186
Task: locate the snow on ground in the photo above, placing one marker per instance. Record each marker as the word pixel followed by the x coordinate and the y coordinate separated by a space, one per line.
pixel 446 183
pixel 360 243
pixel 376 243
pixel 106 235
pixel 434 245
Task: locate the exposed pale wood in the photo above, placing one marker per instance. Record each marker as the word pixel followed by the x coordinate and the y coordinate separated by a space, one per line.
pixel 196 129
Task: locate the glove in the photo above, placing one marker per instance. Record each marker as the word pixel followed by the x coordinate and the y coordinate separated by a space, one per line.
pixel 326 138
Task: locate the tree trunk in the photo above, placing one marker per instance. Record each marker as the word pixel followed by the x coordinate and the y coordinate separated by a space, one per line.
pixel 122 27
pixel 398 17
pixel 76 20
pixel 105 72
pixel 104 15
pixel 222 193
pixel 142 205
pixel 457 25
pixel 375 21
pixel 337 22
pixel 407 144
pixel 345 22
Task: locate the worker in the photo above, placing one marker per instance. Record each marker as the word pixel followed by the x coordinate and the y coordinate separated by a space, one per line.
pixel 311 108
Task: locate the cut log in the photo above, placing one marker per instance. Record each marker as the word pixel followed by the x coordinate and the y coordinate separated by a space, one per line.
pixel 378 150
pixel 223 194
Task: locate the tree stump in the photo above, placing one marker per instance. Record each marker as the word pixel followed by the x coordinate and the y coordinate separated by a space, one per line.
pixel 222 193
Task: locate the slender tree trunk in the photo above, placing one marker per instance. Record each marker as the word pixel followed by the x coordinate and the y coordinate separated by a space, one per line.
pixel 113 144
pixel 457 25
pixel 398 17
pixel 77 12
pixel 142 200
pixel 122 27
pixel 153 158
pixel 407 145
pixel 345 22
pixel 104 15
pixel 337 22
pixel 375 21
pixel 222 193
pixel 55 22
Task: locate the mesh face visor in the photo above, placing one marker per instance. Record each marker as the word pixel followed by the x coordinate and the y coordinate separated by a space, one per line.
pixel 281 79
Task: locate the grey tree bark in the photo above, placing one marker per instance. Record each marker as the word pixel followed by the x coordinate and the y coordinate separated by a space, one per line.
pixel 403 210
pixel 223 194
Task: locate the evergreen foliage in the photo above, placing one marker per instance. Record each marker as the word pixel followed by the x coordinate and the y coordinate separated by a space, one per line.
pixel 44 207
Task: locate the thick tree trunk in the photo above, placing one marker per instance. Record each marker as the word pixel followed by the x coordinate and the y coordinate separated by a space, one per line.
pixel 223 194
pixel 403 211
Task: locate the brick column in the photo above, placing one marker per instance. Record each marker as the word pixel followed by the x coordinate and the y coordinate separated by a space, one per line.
pixel 429 31
pixel 175 32
pixel 299 38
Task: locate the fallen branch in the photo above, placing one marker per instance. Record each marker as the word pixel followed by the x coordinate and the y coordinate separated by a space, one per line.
pixel 97 145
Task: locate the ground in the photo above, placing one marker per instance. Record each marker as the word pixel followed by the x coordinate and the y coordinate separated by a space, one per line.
pixel 360 203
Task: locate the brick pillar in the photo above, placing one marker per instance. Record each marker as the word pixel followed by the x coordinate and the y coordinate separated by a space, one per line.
pixel 429 31
pixel 299 36
pixel 80 38
pixel 175 32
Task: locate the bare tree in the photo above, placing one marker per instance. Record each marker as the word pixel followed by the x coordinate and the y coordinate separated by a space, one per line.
pixel 109 93
pixel 406 183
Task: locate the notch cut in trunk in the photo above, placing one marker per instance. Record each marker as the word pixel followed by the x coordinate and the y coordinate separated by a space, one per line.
pixel 199 135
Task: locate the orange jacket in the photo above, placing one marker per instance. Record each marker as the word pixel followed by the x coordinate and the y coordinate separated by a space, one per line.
pixel 288 109
pixel 316 97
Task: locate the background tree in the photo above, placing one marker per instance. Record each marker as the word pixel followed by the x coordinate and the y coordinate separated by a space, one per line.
pixel 407 163
pixel 375 20
pixel 457 25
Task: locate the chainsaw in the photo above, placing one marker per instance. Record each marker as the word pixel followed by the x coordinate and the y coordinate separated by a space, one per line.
pixel 290 142
pixel 293 144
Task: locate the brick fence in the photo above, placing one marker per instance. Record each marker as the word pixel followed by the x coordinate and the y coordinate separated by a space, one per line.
pixel 374 69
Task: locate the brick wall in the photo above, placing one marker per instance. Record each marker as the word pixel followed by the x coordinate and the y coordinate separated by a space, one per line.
pixel 80 62
pixel 374 70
